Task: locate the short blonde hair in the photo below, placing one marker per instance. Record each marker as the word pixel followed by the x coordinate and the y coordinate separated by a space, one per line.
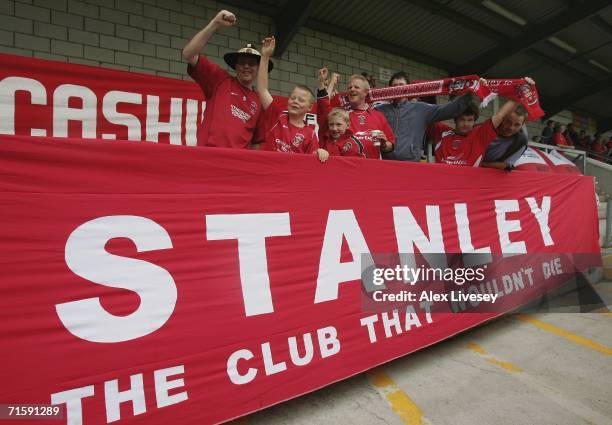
pixel 339 113
pixel 361 78
pixel 307 89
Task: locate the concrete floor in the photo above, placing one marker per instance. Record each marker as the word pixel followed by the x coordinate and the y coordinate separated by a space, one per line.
pixel 550 368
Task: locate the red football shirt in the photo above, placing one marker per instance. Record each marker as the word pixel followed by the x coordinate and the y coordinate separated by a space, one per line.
pixel 560 140
pixel 282 136
pixel 232 110
pixel 467 150
pixel 362 124
pixel 345 145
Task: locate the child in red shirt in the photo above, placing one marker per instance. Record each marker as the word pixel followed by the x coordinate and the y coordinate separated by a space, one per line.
pixel 338 139
pixel 286 131
pixel 368 125
pixel 466 144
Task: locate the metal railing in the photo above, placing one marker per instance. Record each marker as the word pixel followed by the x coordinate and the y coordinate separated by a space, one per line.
pixel 579 156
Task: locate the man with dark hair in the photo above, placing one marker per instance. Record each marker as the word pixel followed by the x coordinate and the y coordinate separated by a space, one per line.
pixel 571 135
pixel 466 143
pixel 409 120
pixel 510 144
pixel 547 132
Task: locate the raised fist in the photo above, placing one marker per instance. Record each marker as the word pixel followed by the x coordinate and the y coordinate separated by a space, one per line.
pixel 323 73
pixel 267 46
pixel 225 18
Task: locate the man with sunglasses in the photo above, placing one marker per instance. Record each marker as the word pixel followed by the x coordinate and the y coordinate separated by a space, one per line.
pixel 233 109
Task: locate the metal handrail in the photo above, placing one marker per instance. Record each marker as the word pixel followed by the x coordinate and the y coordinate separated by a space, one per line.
pixel 580 155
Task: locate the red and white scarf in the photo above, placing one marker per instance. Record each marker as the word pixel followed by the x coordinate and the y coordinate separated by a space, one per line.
pixel 515 89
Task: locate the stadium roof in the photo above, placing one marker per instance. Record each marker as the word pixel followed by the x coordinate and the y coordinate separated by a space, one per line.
pixel 566 46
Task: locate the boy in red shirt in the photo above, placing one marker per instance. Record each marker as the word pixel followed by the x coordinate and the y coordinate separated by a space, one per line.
pixel 338 139
pixel 286 131
pixel 466 144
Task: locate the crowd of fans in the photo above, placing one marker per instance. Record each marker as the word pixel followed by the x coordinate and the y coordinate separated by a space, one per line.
pixel 242 114
pixel 598 146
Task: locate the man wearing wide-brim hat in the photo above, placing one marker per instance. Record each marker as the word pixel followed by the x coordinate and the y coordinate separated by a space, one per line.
pixel 233 108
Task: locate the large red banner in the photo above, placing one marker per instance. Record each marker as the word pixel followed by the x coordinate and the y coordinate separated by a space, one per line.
pixel 157 284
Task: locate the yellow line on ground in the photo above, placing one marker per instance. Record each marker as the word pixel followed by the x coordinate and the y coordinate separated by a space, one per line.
pixel 585 342
pixel 506 365
pixel 408 411
pixel 573 405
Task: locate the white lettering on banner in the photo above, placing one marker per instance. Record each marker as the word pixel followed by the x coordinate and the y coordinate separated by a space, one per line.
pixel 172 127
pixel 86 257
pixel 295 352
pixel 410 319
pixel 162 386
pixel 191 122
pixel 251 230
pixel 329 345
pixel 232 367
pixel 109 109
pixel 74 405
pixel 63 113
pixel 60 113
pixel 541 215
pixel 465 240
pixel 505 227
pixel 341 224
pixel 113 397
pixel 409 234
pixel 8 87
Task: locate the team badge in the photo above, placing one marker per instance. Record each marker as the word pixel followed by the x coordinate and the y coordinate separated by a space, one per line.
pixel 347 147
pixel 297 140
pixel 362 119
pixel 456 144
pixel 253 107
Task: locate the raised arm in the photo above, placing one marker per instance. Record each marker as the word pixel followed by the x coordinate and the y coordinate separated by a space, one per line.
pixel 507 108
pixel 267 49
pixel 451 109
pixel 333 83
pixel 322 78
pixel 503 112
pixel 191 51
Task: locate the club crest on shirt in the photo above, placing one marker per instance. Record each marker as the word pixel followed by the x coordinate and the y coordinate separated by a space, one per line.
pixel 456 144
pixel 362 119
pixel 297 140
pixel 347 147
pixel 253 107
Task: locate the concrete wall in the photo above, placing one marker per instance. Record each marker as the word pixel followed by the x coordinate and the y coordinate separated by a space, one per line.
pixel 147 36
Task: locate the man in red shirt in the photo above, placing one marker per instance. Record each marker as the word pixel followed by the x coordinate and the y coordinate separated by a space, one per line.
pixel 368 125
pixel 233 109
pixel 466 144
